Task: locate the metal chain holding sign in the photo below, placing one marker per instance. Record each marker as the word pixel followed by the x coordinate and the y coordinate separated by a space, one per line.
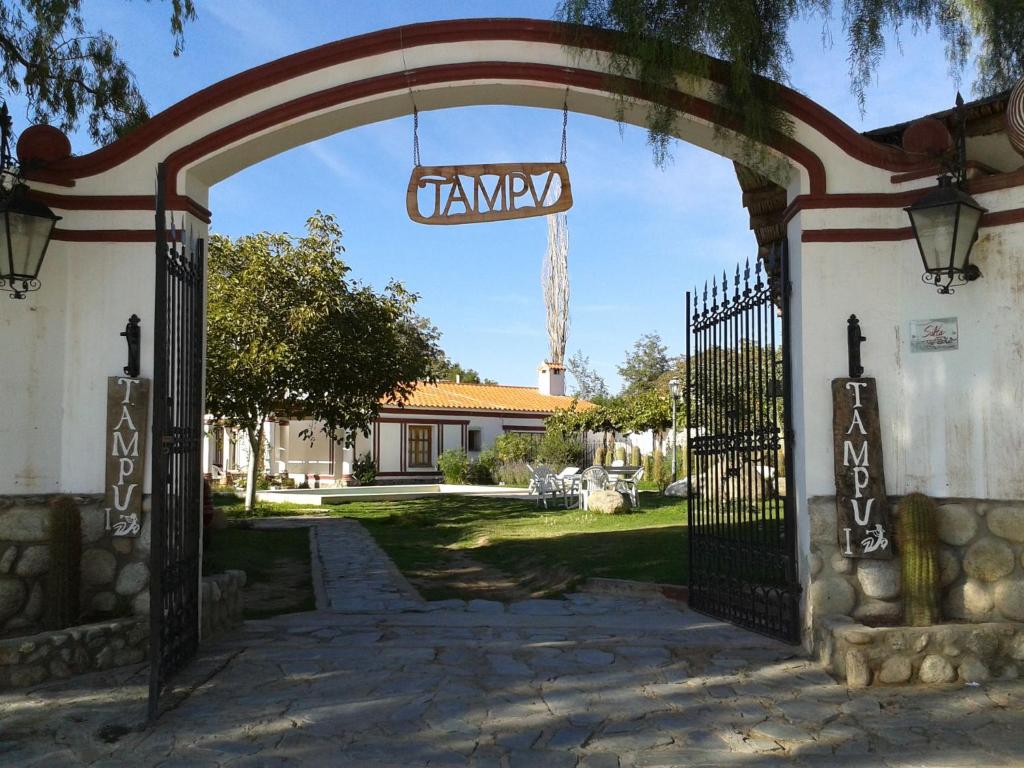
pixel 468 194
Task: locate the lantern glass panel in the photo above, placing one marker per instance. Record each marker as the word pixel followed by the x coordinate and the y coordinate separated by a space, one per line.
pixel 24 243
pixel 970 218
pixel 935 226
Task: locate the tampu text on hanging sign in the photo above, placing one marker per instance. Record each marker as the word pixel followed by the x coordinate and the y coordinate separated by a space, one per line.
pixel 469 194
pixel 127 417
pixel 863 514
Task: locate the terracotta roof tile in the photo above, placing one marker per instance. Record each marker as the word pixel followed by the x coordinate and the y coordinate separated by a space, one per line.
pixel 487 397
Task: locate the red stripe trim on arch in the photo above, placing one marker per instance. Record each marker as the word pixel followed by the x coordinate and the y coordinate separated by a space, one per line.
pixel 453 73
pixel 434 33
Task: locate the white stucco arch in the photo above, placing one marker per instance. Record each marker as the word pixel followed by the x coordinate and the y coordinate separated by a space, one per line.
pixel 850 242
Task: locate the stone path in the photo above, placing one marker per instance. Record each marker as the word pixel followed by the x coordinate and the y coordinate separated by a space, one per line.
pixel 590 682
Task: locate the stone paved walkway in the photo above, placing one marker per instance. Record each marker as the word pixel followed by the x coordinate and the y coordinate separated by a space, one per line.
pixel 589 682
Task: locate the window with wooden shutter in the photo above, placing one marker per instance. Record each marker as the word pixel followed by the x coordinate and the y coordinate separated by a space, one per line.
pixel 419 447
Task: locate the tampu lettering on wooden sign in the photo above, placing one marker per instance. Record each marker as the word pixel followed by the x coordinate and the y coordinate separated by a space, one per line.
pixel 127 423
pixel 469 194
pixel 863 511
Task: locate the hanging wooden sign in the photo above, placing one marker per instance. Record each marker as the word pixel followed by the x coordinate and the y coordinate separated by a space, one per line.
pixel 127 425
pixel 863 514
pixel 469 194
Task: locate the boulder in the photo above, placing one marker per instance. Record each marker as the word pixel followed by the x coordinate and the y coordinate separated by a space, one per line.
pixel 104 602
pixel 935 669
pixel 970 600
pixel 1009 599
pixel 949 567
pixel 858 673
pixel 973 670
pixel 7 558
pixel 94 524
pixel 879 579
pixel 607 502
pixel 679 488
pixel 98 566
pixel 132 578
pixel 896 669
pixel 34 607
pixel 841 564
pixel 1007 522
pixel 12 595
pixel 25 524
pixel 832 597
pixel 34 561
pixel 140 605
pixel 989 560
pixel 878 612
pixel 957 524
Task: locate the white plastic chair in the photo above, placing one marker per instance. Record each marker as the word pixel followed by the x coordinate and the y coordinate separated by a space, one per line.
pixel 592 479
pixel 546 485
pixel 630 487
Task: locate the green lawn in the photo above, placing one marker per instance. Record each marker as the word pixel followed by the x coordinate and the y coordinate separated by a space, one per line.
pixel 471 546
pixel 276 565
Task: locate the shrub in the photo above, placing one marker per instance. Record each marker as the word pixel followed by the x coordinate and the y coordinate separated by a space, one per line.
pixel 599 456
pixel 560 449
pixel 634 456
pixel 661 474
pixel 454 464
pixel 483 471
pixel 363 470
pixel 514 474
pixel 515 447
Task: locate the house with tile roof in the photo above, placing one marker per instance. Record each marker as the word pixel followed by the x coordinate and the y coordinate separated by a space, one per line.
pixel 406 439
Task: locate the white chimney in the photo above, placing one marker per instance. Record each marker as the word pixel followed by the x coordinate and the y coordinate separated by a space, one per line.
pixel 551 380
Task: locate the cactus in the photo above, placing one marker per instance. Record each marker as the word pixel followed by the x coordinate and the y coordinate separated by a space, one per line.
pixel 918 538
pixel 634 456
pixel 599 456
pixel 620 453
pixel 63 579
pixel 659 475
pixel 648 467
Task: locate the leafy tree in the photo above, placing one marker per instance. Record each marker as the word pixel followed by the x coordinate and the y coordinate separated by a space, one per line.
pixel 447 370
pixel 644 365
pixel 289 333
pixel 66 70
pixel 663 39
pixel 589 384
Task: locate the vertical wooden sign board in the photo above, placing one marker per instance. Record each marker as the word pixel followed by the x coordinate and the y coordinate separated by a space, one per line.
pixel 127 421
pixel 863 513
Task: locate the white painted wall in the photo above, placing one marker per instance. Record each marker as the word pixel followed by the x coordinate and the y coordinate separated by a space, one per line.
pixel 952 421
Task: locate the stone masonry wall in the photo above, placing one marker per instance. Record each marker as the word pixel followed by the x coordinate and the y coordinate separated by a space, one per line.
pixel 222 603
pixel 33 659
pixel 970 653
pixel 114 571
pixel 981 558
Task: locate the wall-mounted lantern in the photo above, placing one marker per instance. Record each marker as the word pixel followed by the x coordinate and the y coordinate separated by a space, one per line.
pixel 945 223
pixel 25 225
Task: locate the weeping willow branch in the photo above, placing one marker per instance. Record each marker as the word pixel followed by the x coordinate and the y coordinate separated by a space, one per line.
pixel 555 282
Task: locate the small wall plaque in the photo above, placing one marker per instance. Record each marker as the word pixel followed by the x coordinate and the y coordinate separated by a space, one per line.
pixel 936 335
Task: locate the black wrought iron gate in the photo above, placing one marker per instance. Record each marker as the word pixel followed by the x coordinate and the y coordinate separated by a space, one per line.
pixel 741 519
pixel 176 512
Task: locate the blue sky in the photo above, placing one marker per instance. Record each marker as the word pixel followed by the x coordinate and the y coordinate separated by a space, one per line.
pixel 639 236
